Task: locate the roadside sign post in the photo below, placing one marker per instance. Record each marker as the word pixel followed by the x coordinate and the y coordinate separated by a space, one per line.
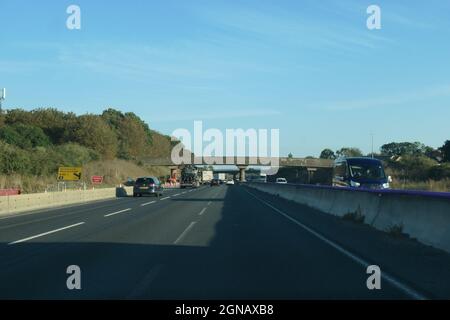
pixel 69 173
pixel 96 180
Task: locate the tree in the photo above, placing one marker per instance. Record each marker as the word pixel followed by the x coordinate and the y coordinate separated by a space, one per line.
pixel 445 149
pixel 404 149
pixel 2 120
pixel 327 154
pixel 23 136
pixel 52 122
pixel 133 139
pixel 18 116
pixel 93 132
pixel 146 128
pixel 349 152
pixel 290 156
pixel 113 117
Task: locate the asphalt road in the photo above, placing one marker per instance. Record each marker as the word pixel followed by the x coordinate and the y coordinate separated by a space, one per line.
pixel 226 242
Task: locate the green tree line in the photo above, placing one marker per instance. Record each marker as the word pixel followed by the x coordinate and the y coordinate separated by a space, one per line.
pixel 37 142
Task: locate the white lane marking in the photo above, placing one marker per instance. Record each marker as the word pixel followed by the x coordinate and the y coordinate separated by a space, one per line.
pixel 114 213
pixel 46 233
pixel 183 192
pixel 209 203
pixel 202 212
pixel 56 215
pixel 394 282
pixel 165 198
pixel 176 195
pixel 183 234
pixel 145 283
pixel 147 203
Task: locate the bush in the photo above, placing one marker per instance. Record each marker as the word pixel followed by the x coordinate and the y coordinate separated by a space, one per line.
pixel 24 136
pixel 396 230
pixel 74 155
pixel 13 160
pixel 440 172
pixel 356 216
pixel 414 168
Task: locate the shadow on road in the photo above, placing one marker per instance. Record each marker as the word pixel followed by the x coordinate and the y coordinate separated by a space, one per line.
pixel 252 254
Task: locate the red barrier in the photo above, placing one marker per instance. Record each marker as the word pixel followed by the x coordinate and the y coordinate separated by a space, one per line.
pixel 9 192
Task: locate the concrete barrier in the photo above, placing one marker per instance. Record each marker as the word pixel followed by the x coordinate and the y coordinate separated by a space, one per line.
pixel 424 216
pixel 35 201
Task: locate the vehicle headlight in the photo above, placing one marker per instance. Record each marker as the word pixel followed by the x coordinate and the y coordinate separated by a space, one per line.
pixel 355 184
pixel 386 185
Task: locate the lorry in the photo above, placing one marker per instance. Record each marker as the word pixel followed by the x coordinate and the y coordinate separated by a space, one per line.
pixel 220 176
pixel 207 176
pixel 189 177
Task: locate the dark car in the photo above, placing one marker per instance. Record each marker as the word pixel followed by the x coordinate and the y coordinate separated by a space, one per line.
pixel 365 173
pixel 147 185
pixel 215 182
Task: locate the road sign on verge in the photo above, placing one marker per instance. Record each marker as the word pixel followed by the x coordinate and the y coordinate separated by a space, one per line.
pixel 69 173
pixel 97 179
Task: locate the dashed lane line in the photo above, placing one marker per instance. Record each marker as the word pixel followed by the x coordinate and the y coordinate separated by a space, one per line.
pixel 46 233
pixel 117 212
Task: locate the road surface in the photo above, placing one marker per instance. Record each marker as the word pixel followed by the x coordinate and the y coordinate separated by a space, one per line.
pixel 225 242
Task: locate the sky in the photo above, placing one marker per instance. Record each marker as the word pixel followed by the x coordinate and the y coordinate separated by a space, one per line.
pixel 311 69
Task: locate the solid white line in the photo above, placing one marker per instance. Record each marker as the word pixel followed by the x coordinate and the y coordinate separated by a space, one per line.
pixel 184 233
pixel 46 233
pixel 176 195
pixel 202 212
pixel 402 287
pixel 164 198
pixel 57 208
pixel 147 203
pixel 114 213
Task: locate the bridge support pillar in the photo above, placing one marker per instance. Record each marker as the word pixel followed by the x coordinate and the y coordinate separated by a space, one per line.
pixel 242 174
pixel 311 172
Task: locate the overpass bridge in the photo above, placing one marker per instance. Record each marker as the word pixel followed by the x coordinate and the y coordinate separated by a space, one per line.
pixel 310 164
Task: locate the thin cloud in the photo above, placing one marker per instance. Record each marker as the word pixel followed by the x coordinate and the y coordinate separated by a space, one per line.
pixel 386 101
pixel 231 114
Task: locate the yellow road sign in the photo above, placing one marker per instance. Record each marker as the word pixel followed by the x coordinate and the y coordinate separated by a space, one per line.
pixel 69 173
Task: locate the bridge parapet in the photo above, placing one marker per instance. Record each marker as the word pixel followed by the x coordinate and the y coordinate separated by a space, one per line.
pixel 247 161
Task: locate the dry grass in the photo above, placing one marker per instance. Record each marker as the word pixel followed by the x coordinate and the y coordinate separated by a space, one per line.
pixel 114 172
pixel 430 185
pixel 28 184
pixel 357 216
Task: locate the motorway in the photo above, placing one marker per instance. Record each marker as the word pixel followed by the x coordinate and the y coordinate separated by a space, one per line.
pixel 225 242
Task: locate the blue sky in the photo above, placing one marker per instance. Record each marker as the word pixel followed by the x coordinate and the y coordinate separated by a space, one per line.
pixel 310 68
